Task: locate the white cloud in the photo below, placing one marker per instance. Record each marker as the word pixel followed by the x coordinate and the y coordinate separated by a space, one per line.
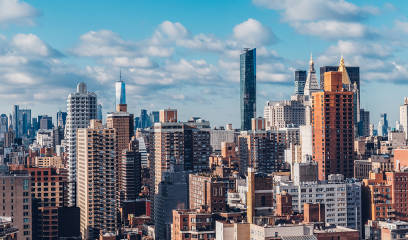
pixel 325 18
pixel 30 44
pixel 169 31
pixel 15 11
pixel 102 44
pixel 252 33
pixel 310 10
pixel 332 29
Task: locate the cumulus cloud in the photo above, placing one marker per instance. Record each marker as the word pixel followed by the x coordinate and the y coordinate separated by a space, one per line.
pixel 30 44
pixel 15 11
pixel 332 29
pixel 252 33
pixel 324 18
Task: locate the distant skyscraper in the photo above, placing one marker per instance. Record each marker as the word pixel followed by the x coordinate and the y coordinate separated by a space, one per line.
pixel 120 94
pixel 248 87
pixel 154 117
pixel 3 126
pixel 364 124
pixel 61 119
pixel 137 122
pixel 382 129
pixel 144 118
pixel 96 180
pixel 404 117
pixel 99 112
pixel 300 80
pixel 21 121
pixel 311 84
pixel 333 127
pixel 81 108
pixel 45 122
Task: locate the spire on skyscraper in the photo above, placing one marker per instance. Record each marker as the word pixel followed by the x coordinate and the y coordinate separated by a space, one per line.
pixel 311 84
pixel 342 68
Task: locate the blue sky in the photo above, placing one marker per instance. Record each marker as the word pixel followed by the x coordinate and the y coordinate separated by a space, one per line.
pixel 185 54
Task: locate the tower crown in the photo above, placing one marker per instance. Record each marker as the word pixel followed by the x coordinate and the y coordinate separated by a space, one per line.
pixel 343 70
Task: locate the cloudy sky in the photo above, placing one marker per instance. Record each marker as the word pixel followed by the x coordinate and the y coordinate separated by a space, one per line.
pixel 185 54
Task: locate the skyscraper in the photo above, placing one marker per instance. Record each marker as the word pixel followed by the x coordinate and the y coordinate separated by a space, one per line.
pixel 382 129
pixel 154 117
pixel 81 108
pixel 404 117
pixel 144 118
pixel 311 84
pixel 364 124
pixel 99 112
pixel 21 121
pixel 3 125
pixel 333 128
pixel 130 171
pixel 120 97
pixel 353 74
pixel 122 122
pixel 97 174
pixel 45 122
pixel 61 119
pixel 300 80
pixel 248 87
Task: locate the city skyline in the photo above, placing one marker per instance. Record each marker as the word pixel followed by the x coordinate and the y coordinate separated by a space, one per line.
pixel 190 62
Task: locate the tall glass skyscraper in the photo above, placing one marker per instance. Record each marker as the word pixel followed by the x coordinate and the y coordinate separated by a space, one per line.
pixel 248 87
pixel 300 80
pixel 120 92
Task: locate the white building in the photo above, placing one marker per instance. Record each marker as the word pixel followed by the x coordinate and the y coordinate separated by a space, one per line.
pixel 404 117
pixel 45 138
pixel 220 135
pixel 342 198
pixel 81 108
pixel 283 113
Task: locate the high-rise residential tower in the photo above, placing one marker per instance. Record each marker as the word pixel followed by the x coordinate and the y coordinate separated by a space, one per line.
pixel 96 182
pixel 333 128
pixel 300 80
pixel 404 117
pixel 81 108
pixel 248 87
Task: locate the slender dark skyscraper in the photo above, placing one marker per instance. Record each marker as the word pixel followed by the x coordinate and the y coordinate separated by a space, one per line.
pixel 300 80
pixel 248 87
